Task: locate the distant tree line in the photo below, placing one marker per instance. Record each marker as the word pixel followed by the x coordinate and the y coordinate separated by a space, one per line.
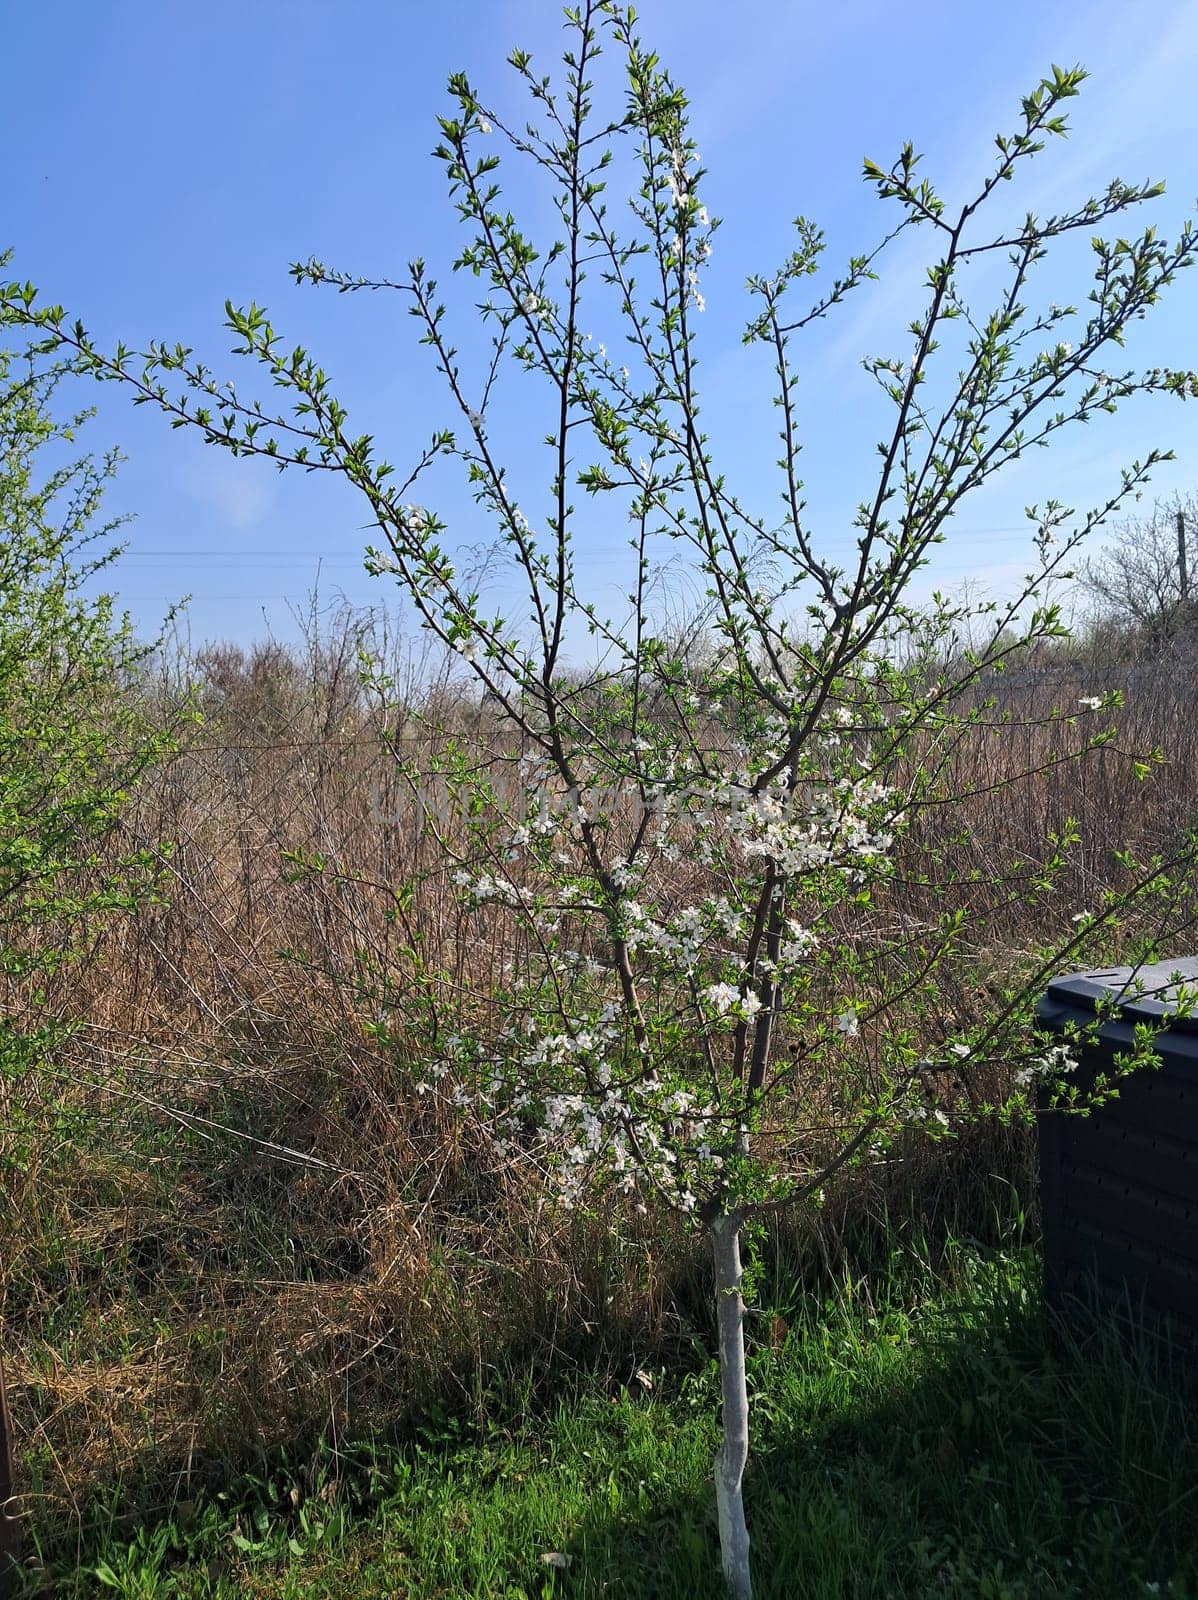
pixel 1143 585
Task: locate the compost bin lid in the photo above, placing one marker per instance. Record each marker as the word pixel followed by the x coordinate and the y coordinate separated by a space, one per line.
pixel 1149 992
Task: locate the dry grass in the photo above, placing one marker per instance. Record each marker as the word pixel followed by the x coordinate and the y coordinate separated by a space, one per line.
pixel 235 1222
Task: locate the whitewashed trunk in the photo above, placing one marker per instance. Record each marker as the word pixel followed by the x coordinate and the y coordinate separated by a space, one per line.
pixel 734 1452
pixel 10 1527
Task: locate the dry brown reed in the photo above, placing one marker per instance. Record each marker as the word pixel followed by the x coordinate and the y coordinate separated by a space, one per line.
pixel 232 1220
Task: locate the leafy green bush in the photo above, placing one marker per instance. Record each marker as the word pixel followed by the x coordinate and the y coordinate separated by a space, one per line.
pixel 74 738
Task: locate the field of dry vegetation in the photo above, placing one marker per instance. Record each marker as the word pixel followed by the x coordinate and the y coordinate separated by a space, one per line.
pixel 234 1222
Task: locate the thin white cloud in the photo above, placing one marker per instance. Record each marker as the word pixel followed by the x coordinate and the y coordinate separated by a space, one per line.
pixel 769 51
pixel 241 493
pixel 1135 111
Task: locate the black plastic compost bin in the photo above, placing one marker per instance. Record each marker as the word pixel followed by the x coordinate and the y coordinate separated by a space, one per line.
pixel 1119 1188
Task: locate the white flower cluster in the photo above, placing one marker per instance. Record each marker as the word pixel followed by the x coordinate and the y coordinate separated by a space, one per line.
pixel 488 886
pixel 726 999
pixel 678 179
pixel 1056 1062
pixel 682 937
pixel 921 1113
pixel 637 1133
pixel 833 828
pixel 799 942
pixel 679 183
pixel 555 1100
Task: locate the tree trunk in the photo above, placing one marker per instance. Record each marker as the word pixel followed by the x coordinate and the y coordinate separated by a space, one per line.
pixel 734 1452
pixel 10 1527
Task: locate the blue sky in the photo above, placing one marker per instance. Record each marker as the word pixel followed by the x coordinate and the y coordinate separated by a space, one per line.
pixel 164 157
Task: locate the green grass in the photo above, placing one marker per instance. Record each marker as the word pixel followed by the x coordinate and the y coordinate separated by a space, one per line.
pixel 922 1433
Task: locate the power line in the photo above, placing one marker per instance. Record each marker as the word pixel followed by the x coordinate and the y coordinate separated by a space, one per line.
pixel 248 557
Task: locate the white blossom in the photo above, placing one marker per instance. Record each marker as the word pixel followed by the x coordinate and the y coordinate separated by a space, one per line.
pixel 798 943
pixel 1057 1061
pixel 721 996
